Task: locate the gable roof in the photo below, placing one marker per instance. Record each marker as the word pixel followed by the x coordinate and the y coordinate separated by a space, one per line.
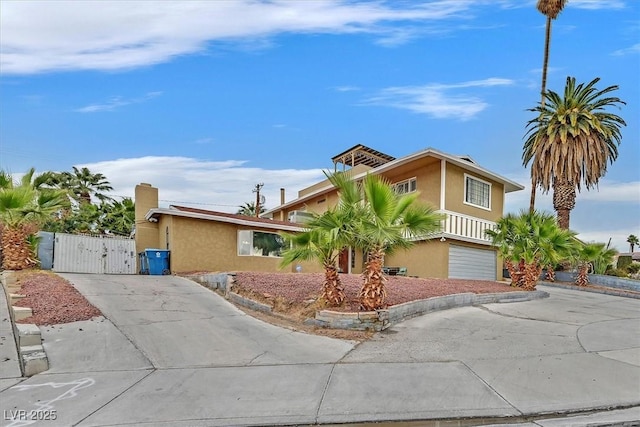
pixel 187 212
pixel 465 162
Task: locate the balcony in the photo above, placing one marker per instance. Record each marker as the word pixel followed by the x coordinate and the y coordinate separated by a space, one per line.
pixel 467 228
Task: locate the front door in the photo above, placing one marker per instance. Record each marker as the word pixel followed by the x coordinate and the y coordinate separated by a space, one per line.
pixel 343 261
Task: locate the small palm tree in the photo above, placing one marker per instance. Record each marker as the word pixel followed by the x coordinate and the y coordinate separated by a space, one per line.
pixel 24 207
pixel 383 221
pixel 249 209
pixel 528 242
pixel 632 240
pixel 325 238
pixel 592 256
pixel 571 141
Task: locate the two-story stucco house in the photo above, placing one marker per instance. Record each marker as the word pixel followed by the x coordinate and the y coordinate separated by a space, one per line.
pixel 471 196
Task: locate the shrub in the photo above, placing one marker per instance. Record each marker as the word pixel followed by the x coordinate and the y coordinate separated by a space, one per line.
pixel 633 268
pixel 619 272
pixel 624 261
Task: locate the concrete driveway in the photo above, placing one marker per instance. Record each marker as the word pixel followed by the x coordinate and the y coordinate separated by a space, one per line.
pixel 172 353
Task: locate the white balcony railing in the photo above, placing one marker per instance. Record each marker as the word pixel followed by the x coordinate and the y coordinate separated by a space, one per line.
pixel 466 227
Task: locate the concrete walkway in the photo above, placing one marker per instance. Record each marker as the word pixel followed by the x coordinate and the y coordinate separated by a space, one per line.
pixel 172 353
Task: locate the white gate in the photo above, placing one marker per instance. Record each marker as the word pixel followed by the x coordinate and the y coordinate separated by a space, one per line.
pixel 100 255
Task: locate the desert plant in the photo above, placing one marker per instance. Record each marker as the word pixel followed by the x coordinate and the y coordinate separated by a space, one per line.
pixel 528 242
pixel 323 241
pixel 24 206
pixel 592 256
pixel 382 222
pixel 632 240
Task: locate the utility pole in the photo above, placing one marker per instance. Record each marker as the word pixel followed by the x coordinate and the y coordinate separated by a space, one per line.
pixel 257 191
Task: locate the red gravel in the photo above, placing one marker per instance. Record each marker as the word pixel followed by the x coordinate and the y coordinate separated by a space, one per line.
pixel 300 287
pixel 53 300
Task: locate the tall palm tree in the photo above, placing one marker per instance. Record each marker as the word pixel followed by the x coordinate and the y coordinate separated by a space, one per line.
pixel 571 141
pixel 24 206
pixel 551 9
pixel 529 241
pixel 326 236
pixel 382 222
pixel 83 184
pixel 632 240
pixel 249 209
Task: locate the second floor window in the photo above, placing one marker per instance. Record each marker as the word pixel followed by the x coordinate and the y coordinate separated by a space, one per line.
pixel 477 192
pixel 407 186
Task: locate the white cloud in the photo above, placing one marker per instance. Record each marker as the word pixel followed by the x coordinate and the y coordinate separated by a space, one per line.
pixel 109 35
pixel 627 51
pixel 214 185
pixel 437 100
pixel 116 102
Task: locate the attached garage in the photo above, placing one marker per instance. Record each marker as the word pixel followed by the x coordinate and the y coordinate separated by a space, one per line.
pixel 471 263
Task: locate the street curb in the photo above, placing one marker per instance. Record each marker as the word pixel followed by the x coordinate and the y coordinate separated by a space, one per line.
pixel 26 335
pixel 610 291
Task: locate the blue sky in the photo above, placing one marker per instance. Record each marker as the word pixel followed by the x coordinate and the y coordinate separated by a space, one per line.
pixel 206 99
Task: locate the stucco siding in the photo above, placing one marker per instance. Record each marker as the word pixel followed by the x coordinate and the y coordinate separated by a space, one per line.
pixel 454 195
pixel 199 245
pixel 424 259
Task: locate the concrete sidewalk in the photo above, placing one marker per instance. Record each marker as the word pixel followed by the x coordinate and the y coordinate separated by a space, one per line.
pixel 172 353
pixel 10 373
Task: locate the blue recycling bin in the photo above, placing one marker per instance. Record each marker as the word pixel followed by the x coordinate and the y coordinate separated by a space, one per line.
pixel 157 261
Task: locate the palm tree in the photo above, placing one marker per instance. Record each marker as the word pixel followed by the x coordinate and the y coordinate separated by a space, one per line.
pixel 632 240
pixel 249 209
pixel 324 239
pixel 118 217
pixel 83 184
pixel 571 141
pixel 382 222
pixel 551 9
pixel 592 256
pixel 24 207
pixel 528 242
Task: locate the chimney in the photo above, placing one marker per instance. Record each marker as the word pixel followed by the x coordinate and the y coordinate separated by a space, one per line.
pixel 282 196
pixel 147 235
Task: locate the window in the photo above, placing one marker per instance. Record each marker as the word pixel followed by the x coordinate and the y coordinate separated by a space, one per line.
pixel 259 243
pixel 477 192
pixel 407 186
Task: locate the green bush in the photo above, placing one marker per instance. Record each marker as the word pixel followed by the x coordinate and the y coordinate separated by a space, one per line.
pixel 619 272
pixel 624 261
pixel 633 268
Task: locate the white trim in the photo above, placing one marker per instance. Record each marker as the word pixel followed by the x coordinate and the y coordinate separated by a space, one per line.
pixel 443 183
pixel 408 180
pixel 464 200
pixel 213 217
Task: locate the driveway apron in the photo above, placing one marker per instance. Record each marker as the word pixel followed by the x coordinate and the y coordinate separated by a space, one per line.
pixel 171 353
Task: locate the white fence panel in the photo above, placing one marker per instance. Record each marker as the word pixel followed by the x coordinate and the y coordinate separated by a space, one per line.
pixel 87 254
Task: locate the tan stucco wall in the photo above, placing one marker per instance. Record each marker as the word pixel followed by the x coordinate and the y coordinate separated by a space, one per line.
pixel 454 195
pixel 427 174
pixel 199 245
pixel 425 259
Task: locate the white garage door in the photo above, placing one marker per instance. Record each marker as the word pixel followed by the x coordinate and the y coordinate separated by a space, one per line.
pixel 471 263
